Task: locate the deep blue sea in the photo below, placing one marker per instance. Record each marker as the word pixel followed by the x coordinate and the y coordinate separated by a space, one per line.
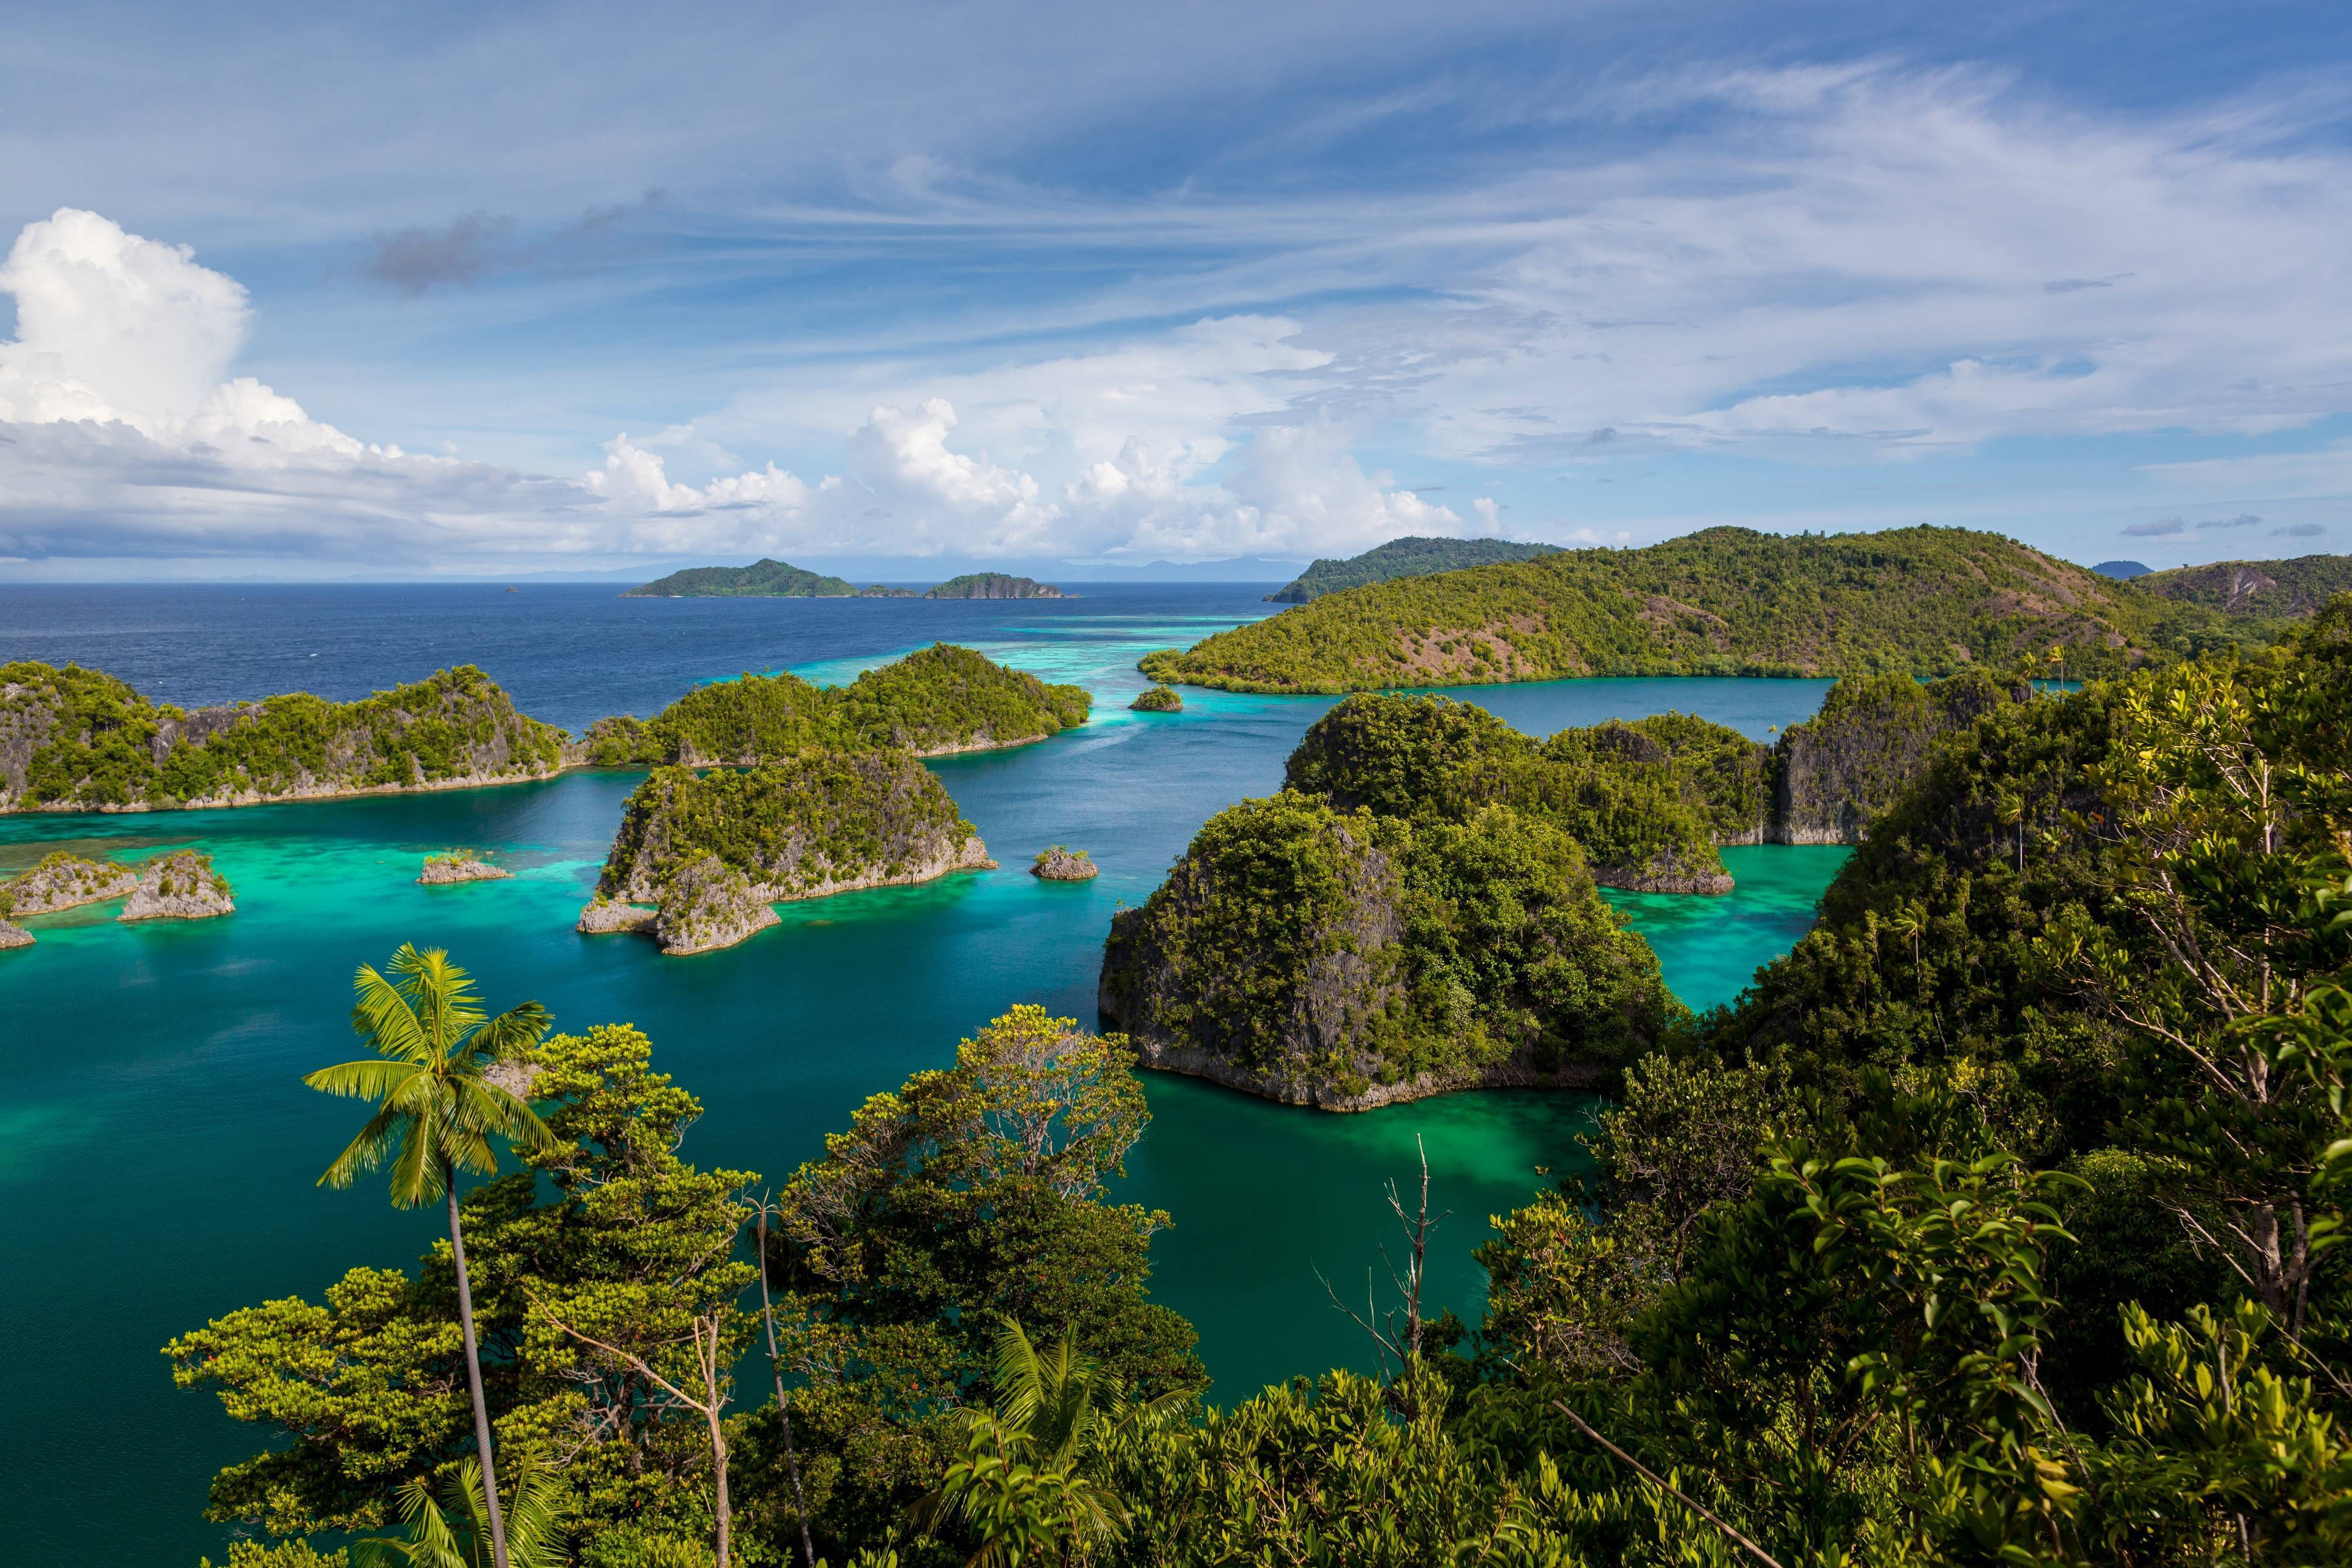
pixel 157 1150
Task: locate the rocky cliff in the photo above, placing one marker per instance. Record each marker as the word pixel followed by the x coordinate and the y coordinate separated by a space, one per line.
pixel 181 885
pixel 818 825
pixel 62 881
pixel 460 865
pixel 14 936
pixel 78 740
pixel 1058 864
pixel 1345 961
pixel 1838 772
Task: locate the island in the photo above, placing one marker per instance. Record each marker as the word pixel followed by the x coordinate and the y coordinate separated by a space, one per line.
pixel 1158 699
pixel 993 585
pixel 1413 556
pixel 708 852
pixel 935 702
pixel 79 740
pixel 1650 801
pixel 762 579
pixel 1058 864
pixel 460 865
pixel 1723 601
pixel 884 590
pixel 1347 960
pixel 182 885
pixel 64 879
pixel 13 935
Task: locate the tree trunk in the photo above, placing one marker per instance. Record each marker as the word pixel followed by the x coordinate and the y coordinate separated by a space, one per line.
pixel 719 1478
pixel 474 1381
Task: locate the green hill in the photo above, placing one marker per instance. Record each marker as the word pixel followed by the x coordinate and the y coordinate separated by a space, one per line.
pixel 2255 589
pixel 1410 557
pixel 761 580
pixel 1726 602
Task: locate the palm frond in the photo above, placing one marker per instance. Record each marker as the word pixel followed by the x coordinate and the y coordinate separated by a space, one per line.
pixel 511 1033
pixel 377 1080
pixel 368 1150
pixel 418 1177
pixel 1019 1378
pixel 383 1017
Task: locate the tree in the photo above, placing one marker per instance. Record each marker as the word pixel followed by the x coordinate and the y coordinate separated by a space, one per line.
pixel 1022 1478
pixel 438 1109
pixel 451 1531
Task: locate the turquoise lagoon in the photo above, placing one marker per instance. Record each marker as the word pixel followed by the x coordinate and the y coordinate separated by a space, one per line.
pixel 158 1150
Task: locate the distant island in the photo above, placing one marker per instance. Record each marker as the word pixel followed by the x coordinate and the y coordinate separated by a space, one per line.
pixel 993 585
pixel 2285 590
pixel 2123 569
pixel 1413 556
pixel 1723 602
pixel 781 579
pixel 761 580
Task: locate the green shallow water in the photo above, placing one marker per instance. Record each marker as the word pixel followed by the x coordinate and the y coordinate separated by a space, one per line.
pixel 158 1150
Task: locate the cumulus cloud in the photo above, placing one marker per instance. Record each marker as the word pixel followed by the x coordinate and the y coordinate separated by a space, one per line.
pixel 2298 531
pixel 2159 528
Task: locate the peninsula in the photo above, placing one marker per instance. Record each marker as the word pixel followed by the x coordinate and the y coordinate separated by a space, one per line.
pixel 1413 556
pixel 1723 602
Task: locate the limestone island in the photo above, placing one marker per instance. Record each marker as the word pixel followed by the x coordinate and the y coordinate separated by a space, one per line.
pixel 1411 556
pixel 1158 699
pixel 181 885
pixel 1345 960
pixel 1058 864
pixel 63 880
pixel 460 865
pixel 993 585
pixel 79 740
pixel 13 935
pixel 710 852
pixel 935 702
pixel 884 590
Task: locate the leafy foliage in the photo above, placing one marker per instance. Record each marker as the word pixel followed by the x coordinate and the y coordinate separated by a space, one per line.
pixel 1413 556
pixel 1725 601
pixel 90 742
pixel 2255 590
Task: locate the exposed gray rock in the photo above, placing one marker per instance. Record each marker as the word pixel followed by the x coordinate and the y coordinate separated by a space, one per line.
pixel 1665 874
pixel 181 885
pixel 1058 864
pixel 1839 771
pixel 603 917
pixel 14 936
pixel 62 881
pixel 460 865
pixel 709 906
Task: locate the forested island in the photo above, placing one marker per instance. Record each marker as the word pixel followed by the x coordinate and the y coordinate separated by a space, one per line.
pixel 2256 590
pixel 1993 1225
pixel 1723 602
pixel 1411 556
pixel 79 740
pixel 781 579
pixel 764 578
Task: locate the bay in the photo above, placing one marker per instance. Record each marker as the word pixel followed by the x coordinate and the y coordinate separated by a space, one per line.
pixel 158 1150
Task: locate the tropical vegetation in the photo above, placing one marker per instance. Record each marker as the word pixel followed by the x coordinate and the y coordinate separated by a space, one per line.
pixel 939 699
pixel 86 741
pixel 1413 556
pixel 2001 1222
pixel 2255 589
pixel 1723 601
pixel 993 585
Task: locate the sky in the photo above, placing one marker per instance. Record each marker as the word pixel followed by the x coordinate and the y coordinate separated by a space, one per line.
pixel 471 290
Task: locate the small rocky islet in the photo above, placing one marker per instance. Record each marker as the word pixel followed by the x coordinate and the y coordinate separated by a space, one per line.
pixel 180 885
pixel 1158 699
pixel 1058 864
pixel 454 866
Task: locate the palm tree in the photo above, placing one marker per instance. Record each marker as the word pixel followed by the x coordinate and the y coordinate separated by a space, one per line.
pixel 452 1531
pixel 436 1111
pixel 1017 1480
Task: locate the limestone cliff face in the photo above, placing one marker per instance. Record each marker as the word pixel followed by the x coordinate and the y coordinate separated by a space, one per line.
pixel 603 917
pixel 181 885
pixel 818 825
pixel 14 936
pixel 1838 772
pixel 1287 1024
pixel 63 881
pixel 1058 864
pixel 1667 873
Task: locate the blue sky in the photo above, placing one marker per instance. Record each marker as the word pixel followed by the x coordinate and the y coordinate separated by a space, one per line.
pixel 497 288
